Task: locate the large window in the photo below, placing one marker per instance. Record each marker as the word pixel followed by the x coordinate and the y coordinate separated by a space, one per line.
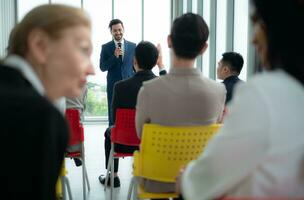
pixel 76 3
pixel 100 13
pixel 158 32
pixel 221 23
pixel 25 6
pixel 129 12
pixel 241 32
pixel 206 55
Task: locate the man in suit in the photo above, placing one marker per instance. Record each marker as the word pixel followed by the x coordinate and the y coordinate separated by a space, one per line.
pixel 228 70
pixel 183 96
pixel 116 57
pixel 125 94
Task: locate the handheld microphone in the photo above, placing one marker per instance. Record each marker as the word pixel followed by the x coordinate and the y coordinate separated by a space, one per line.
pixel 119 46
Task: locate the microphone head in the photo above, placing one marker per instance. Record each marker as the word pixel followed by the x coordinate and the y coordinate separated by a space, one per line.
pixel 119 44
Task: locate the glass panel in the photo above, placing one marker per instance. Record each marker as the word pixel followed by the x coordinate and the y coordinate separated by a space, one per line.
pixel 241 32
pixel 221 23
pixel 132 20
pixel 100 13
pixel 194 6
pixel 158 32
pixel 76 3
pixel 26 5
pixel 206 16
pixel 184 6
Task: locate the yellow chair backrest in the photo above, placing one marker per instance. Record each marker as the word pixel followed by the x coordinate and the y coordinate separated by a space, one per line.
pixel 165 149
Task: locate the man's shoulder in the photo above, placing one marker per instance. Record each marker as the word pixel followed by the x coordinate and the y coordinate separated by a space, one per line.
pixel 155 82
pixel 130 43
pixel 124 83
pixel 108 44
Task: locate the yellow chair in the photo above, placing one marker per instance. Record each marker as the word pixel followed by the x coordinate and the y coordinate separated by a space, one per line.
pixel 163 151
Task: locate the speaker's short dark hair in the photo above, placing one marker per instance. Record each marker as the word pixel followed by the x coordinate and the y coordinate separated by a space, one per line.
pixel 146 55
pixel 233 60
pixel 189 34
pixel 114 22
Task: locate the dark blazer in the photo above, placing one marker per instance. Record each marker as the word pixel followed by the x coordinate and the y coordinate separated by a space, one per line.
pixel 34 137
pixel 117 69
pixel 230 83
pixel 125 92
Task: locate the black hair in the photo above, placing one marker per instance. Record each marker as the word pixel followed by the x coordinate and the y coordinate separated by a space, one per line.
pixel 189 33
pixel 285 38
pixel 114 22
pixel 146 55
pixel 234 61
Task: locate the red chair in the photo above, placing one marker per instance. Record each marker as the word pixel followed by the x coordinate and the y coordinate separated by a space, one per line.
pixel 123 132
pixel 77 138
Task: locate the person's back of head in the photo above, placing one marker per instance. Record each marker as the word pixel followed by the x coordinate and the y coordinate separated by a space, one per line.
pixel 52 19
pixel 189 34
pixel 284 38
pixel 234 61
pixel 146 55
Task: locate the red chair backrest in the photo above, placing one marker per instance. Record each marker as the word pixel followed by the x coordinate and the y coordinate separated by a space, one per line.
pixel 76 129
pixel 124 131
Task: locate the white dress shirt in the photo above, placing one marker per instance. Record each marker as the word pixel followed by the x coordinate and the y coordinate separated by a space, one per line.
pixel 259 152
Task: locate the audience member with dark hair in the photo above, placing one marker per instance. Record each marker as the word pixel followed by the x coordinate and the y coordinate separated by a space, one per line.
pixel 116 57
pixel 125 94
pixel 183 96
pixel 259 152
pixel 48 58
pixel 228 70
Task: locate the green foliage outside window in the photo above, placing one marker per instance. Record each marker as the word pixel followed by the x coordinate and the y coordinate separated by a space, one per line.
pixel 96 104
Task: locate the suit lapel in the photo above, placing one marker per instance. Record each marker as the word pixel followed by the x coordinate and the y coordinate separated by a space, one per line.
pixel 125 50
pixel 113 46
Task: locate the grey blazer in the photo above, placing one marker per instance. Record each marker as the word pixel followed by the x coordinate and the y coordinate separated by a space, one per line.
pixel 182 97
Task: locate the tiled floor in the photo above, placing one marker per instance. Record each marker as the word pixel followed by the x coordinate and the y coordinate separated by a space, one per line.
pixel 94 147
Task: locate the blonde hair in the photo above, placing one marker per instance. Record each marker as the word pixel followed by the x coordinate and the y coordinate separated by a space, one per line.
pixel 52 19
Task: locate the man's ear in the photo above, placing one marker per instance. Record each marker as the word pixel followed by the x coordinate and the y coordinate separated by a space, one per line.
pixel 169 41
pixel 204 48
pixel 38 43
pixel 226 69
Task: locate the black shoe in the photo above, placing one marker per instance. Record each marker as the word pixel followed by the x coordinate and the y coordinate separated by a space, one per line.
pixel 78 161
pixel 102 180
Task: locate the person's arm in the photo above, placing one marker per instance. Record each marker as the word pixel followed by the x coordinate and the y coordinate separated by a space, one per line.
pixel 108 59
pixel 159 63
pixel 233 153
pixel 141 116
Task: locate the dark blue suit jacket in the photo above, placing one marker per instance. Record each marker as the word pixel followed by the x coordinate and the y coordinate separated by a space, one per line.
pixel 117 69
pixel 230 83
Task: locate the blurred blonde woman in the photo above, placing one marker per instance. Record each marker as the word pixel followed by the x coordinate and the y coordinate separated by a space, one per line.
pixel 48 58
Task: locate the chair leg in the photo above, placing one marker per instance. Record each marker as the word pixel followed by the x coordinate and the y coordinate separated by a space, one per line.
pixel 83 182
pixel 130 190
pixel 109 165
pixel 135 188
pixel 87 178
pixel 112 177
pixel 65 182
